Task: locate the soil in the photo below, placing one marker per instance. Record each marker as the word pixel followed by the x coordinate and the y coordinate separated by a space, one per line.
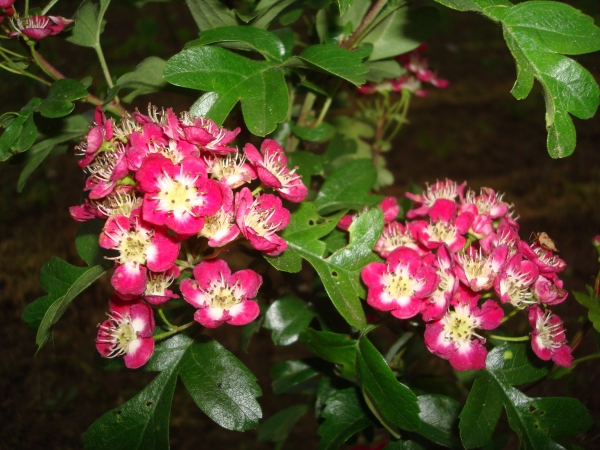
pixel 474 130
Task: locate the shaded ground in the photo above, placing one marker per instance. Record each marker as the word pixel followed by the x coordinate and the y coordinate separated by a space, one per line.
pixel 473 131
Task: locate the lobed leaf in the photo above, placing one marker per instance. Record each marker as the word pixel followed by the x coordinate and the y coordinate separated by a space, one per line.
pixel 535 420
pixel 89 24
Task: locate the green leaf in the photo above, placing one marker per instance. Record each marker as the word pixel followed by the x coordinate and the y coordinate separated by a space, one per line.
pixel 89 24
pixel 333 347
pixel 63 282
pixel 592 304
pixel 333 59
pixel 345 415
pixel 340 272
pixel 145 79
pixel 348 187
pixel 538 34
pixel 141 423
pixel 344 6
pixel 401 31
pixel 61 96
pixel 320 133
pixel 394 404
pixel 221 385
pixel 258 85
pixel 209 14
pixel 249 330
pixel 21 132
pixel 535 420
pixel 439 419
pixel 287 318
pixel 262 41
pixel 339 152
pixel 277 427
pixel 289 374
pixel 306 164
pixel 268 10
pixel 74 127
pixel 383 70
pixel 87 245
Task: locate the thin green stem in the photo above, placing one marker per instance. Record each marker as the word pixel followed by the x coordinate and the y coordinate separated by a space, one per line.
pixel 309 101
pixel 175 330
pixel 380 18
pixel 25 73
pixel 104 66
pixel 324 110
pixel 369 18
pixel 586 358
pixel 509 315
pixel 509 338
pixel 49 6
pixel 26 11
pixel 165 320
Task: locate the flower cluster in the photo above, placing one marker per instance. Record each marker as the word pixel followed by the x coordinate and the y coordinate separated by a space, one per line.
pixel 456 250
pixel 417 71
pixel 159 180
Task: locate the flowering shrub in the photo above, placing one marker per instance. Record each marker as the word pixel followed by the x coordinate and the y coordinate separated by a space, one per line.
pixel 180 211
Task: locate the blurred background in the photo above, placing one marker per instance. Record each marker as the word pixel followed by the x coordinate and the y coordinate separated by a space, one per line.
pixel 474 130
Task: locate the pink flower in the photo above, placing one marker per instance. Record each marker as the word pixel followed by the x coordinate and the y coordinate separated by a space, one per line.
pixel 512 284
pixel 231 170
pixel 140 248
pixel 39 27
pixel 400 284
pixel 477 270
pixel 127 332
pixel 395 235
pixel 436 304
pixel 547 261
pixel 221 296
pixel 178 196
pixel 446 189
pixel 271 166
pixel 97 139
pixel 488 203
pixel 220 228
pixel 548 289
pixel 453 337
pixel 157 292
pixel 106 169
pixel 207 135
pixel 548 337
pixel 259 219
pixel 388 205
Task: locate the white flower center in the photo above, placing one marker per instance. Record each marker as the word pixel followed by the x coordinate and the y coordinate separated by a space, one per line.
pixel 120 334
pixel 260 220
pixel 459 325
pixel 400 285
pixel 178 196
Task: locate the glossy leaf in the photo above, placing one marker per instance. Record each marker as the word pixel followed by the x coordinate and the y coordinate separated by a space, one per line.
pixel 381 70
pixel 306 164
pixel 258 85
pixel 439 419
pixel 145 79
pixel 401 31
pixel 141 423
pixel 287 317
pixel 21 132
pixel 209 14
pixel 535 420
pixel 289 374
pixel 73 127
pixel 345 415
pixel 87 245
pixel 348 187
pixel 538 34
pixel 267 10
pixel 333 347
pixel 262 41
pixel 89 24
pixel 221 385
pixel 63 282
pixel 277 427
pixel 394 404
pixel 61 96
pixel 333 59
pixel 340 272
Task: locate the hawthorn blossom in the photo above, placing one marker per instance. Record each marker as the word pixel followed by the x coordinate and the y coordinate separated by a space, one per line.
pixel 208 135
pixel 141 248
pixel 221 296
pixel 127 332
pixel 220 228
pixel 156 291
pixel 477 270
pixel 259 219
pixel 435 305
pixel 446 189
pixel 417 64
pixel 178 196
pixel 548 337
pixel 231 169
pixel 39 27
pixel 271 166
pixel 400 284
pixel 512 284
pixel 454 337
pixel 395 235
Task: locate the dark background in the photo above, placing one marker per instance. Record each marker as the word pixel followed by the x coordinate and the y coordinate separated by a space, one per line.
pixel 474 130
